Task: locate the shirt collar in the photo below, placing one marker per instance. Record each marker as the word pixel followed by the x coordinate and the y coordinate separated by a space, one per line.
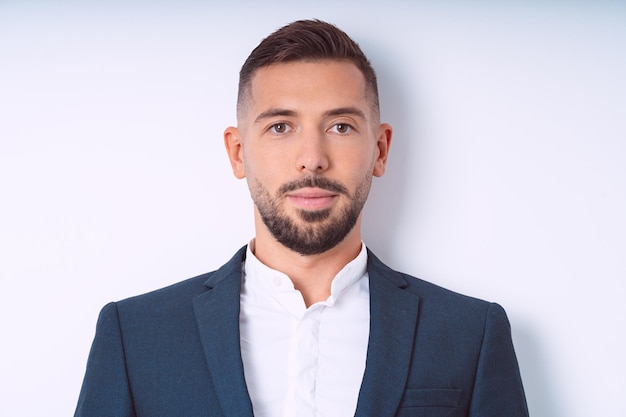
pixel 257 273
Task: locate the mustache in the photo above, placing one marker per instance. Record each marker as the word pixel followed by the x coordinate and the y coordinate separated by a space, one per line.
pixel 314 182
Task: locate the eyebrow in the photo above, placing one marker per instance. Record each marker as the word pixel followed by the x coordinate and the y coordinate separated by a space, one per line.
pixel 275 113
pixel 341 111
pixel 345 111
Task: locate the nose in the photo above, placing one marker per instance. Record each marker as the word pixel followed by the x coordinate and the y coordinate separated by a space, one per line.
pixel 313 156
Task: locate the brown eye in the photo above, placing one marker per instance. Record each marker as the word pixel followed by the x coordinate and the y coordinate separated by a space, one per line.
pixel 342 128
pixel 279 128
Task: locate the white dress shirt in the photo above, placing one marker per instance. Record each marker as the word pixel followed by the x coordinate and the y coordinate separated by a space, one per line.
pixel 298 361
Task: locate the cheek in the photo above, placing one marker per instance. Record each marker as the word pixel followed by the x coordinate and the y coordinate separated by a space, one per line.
pixel 358 161
pixel 264 167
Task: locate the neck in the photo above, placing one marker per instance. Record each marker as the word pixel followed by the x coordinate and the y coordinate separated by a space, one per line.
pixel 312 275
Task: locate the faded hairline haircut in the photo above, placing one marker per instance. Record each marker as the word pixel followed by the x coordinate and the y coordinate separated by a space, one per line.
pixel 306 40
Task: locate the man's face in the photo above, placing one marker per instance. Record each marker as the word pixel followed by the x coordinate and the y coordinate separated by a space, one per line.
pixel 308 142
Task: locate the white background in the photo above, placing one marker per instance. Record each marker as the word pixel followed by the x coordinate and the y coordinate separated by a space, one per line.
pixel 506 181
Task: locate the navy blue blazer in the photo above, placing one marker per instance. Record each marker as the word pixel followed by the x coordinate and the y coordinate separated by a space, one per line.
pixel 175 352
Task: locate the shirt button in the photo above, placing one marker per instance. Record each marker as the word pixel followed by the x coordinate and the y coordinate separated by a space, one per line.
pixel 277 281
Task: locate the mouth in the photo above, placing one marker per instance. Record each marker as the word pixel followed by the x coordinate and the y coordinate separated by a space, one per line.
pixel 312 198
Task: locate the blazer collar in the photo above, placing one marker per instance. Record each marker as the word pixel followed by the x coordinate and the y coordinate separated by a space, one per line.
pixel 393 322
pixel 393 318
pixel 217 318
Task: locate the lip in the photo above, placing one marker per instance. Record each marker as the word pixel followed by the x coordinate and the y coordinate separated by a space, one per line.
pixel 312 198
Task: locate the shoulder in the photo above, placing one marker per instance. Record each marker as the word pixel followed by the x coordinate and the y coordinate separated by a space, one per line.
pixel 431 297
pixel 179 297
pixel 170 294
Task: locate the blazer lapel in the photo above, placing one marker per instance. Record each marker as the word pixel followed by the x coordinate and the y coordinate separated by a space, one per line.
pixel 393 320
pixel 217 318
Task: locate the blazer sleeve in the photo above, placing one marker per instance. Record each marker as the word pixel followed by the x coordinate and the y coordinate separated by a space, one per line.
pixel 106 391
pixel 498 389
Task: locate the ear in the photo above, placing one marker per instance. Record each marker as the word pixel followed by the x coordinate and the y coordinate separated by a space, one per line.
pixel 383 143
pixel 234 149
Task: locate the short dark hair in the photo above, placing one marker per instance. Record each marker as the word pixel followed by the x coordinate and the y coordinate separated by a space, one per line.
pixel 306 40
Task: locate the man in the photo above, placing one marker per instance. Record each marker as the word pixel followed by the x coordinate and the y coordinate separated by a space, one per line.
pixel 304 321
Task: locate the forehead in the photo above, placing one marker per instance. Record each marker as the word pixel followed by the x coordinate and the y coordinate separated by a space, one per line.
pixel 308 85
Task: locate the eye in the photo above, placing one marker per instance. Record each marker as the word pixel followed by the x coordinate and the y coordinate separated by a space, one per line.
pixel 341 128
pixel 279 128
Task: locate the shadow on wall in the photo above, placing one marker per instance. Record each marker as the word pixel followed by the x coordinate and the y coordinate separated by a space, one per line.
pixel 386 208
pixel 382 212
pixel 540 393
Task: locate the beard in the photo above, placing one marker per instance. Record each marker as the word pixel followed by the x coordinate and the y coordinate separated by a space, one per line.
pixel 318 230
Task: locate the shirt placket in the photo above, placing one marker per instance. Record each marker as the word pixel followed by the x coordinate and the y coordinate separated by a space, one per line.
pixel 307 335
